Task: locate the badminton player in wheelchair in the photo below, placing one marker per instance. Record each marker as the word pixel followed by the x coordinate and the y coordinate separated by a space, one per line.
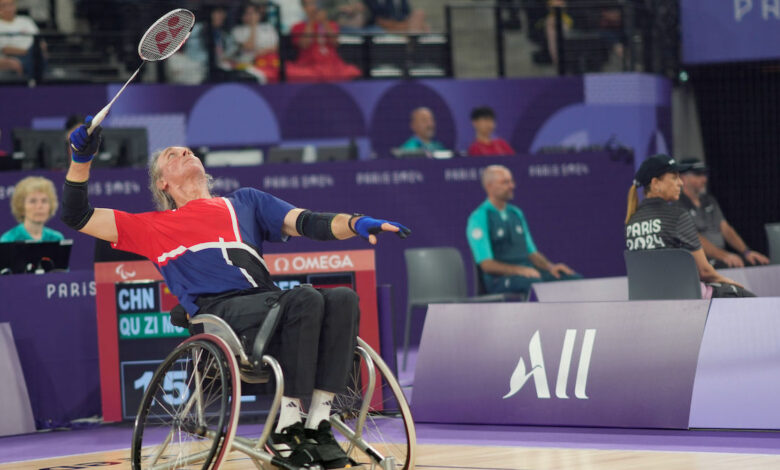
pixel 209 251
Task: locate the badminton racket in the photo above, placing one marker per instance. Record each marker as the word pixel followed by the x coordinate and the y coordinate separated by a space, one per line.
pixel 160 41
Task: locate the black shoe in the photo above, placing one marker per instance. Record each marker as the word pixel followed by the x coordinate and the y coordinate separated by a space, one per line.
pixel 331 453
pixel 292 445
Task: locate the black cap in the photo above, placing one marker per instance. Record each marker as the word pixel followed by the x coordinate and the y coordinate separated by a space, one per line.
pixel 695 166
pixel 656 166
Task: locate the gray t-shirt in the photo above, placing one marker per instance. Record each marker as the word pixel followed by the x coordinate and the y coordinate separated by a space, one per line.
pixel 659 224
pixel 707 217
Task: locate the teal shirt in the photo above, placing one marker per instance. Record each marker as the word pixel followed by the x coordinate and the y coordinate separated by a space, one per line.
pixel 414 143
pixel 19 234
pixel 500 235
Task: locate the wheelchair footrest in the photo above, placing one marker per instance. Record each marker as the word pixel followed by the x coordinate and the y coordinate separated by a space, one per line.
pixel 255 372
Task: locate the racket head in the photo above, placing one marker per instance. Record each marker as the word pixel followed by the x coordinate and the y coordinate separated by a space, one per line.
pixel 166 35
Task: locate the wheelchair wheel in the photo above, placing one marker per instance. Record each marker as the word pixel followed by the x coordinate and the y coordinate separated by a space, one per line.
pixel 388 427
pixel 188 415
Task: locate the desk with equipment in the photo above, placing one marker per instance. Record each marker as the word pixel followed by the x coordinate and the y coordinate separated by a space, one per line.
pixel 34 257
pixel 135 334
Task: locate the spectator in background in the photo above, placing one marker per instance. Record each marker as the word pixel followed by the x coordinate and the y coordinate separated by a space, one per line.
pixel 714 231
pixel 290 13
pixel 501 241
pixel 16 40
pixel 484 121
pixel 350 15
pixel 317 39
pixel 258 44
pixel 659 222
pixel 191 64
pixel 33 203
pixel 397 16
pixel 423 126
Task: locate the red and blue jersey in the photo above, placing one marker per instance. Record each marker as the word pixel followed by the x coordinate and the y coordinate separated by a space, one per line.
pixel 208 246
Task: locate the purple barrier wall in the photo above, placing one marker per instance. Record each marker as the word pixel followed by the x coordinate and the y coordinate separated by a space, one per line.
pixel 577 364
pixel 574 203
pixel 727 31
pixel 625 109
pixel 53 320
pixel 738 376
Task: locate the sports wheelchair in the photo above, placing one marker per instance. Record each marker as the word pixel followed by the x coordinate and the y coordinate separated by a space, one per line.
pixel 189 412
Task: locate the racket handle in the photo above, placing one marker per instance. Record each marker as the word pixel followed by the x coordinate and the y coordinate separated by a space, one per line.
pixel 99 118
pixel 104 112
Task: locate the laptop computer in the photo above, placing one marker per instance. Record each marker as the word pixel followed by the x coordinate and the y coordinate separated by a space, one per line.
pixel 34 257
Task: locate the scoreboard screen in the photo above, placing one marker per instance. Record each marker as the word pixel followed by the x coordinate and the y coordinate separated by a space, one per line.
pixel 135 333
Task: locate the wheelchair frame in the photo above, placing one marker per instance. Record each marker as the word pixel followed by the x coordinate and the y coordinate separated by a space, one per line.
pixel 232 362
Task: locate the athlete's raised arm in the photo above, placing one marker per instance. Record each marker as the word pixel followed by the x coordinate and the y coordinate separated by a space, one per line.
pixel 77 213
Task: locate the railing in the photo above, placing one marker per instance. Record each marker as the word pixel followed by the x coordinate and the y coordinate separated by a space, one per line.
pixel 587 36
pixel 571 38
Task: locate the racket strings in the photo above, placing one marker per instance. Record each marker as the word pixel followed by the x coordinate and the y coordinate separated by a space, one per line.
pixel 166 35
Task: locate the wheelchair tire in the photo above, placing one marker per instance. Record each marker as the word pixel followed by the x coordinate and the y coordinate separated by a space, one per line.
pixel 388 426
pixel 189 412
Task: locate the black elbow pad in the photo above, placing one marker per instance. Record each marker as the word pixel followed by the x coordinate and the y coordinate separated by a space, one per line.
pixel 315 225
pixel 76 210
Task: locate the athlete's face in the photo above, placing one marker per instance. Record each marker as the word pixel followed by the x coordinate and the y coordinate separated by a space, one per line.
pixel 177 165
pixel 667 186
pixel 502 186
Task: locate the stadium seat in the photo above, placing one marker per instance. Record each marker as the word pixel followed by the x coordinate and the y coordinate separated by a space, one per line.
pixel 436 275
pixel 662 274
pixel 773 241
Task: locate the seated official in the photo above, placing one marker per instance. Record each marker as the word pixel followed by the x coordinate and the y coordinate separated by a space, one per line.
pixel 423 126
pixel 714 230
pixel 33 203
pixel 501 241
pixel 661 222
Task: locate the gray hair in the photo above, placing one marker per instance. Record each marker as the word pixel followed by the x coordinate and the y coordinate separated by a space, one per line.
pixel 490 172
pixel 417 110
pixel 162 200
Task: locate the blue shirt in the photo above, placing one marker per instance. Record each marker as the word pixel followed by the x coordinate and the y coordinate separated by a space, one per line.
pixel 208 246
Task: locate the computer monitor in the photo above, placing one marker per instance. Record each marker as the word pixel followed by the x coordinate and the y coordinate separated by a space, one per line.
pixel 336 153
pixel 10 163
pixel 41 148
pixel 285 155
pixel 124 147
pixel 34 257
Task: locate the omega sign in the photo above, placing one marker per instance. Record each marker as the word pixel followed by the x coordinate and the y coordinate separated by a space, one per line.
pixel 304 263
pixel 538 371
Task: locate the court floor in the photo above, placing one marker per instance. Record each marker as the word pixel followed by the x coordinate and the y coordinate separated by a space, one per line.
pixel 455 447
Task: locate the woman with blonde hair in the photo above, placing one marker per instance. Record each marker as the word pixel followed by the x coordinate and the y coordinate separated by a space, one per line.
pixel 660 222
pixel 33 203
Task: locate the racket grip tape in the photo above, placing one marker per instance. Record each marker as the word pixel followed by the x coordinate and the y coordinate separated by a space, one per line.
pixel 98 118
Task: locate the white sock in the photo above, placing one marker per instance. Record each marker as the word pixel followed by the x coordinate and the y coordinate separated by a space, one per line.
pixel 289 413
pixel 320 408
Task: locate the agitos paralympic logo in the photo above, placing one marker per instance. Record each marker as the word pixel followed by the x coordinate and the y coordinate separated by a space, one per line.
pixel 538 371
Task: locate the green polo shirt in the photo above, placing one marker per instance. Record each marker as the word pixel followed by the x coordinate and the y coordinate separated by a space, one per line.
pixel 414 143
pixel 19 234
pixel 500 235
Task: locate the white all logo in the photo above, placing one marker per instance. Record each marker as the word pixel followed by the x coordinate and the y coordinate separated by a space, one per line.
pixel 539 374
